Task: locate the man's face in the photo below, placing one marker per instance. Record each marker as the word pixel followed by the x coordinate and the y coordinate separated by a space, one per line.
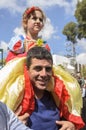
pixel 40 73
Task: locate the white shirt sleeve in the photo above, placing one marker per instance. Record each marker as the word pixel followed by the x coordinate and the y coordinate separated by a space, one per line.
pixel 15 123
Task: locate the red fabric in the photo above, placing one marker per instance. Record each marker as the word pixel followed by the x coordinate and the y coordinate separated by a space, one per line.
pixel 61 92
pixel 17 46
pixel 33 8
pixel 11 55
pixel 28 100
pixel 59 88
pixel 47 47
pixel 63 96
pixel 32 44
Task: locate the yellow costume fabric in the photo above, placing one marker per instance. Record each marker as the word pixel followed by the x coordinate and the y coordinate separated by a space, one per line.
pixel 74 103
pixel 12 83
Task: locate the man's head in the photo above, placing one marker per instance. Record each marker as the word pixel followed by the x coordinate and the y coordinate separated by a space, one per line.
pixel 39 63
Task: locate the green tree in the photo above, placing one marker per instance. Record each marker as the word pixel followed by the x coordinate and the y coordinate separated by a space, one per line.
pixel 80 15
pixel 70 30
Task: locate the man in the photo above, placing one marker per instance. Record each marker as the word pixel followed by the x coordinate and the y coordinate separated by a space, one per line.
pixel 46 114
pixel 8 121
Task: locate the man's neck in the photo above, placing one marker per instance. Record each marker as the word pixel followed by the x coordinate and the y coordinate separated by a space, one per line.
pixel 38 93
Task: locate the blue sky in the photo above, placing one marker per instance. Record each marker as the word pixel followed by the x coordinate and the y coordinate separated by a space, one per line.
pixel 58 12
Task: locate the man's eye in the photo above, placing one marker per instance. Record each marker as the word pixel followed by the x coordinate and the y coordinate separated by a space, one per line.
pixel 38 68
pixel 48 69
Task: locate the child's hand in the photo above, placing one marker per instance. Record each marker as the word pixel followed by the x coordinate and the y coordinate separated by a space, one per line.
pixel 24 117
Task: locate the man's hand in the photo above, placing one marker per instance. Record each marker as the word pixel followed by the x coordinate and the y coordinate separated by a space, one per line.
pixel 24 117
pixel 66 125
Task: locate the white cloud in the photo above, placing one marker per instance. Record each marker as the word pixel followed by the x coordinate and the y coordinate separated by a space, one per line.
pixel 19 6
pixel 12 5
pixel 81 58
pixel 82 43
pixel 61 3
pixel 3 45
pixel 48 30
pixel 18 31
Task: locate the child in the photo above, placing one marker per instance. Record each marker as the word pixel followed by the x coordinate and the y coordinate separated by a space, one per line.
pixel 33 22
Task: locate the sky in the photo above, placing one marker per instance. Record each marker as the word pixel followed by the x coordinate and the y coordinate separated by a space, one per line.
pixel 58 13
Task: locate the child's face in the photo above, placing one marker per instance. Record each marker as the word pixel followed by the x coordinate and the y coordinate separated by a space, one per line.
pixel 35 23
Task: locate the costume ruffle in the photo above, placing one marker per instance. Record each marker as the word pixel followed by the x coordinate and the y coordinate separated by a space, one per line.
pixel 16 89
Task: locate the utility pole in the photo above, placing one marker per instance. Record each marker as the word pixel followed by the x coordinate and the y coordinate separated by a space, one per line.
pixel 71 53
pixel 71 50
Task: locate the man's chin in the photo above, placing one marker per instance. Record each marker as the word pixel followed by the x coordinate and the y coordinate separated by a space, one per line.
pixel 42 87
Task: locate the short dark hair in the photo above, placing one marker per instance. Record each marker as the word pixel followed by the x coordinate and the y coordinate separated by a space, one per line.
pixel 38 53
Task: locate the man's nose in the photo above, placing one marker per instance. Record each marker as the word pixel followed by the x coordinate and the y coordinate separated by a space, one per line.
pixel 43 72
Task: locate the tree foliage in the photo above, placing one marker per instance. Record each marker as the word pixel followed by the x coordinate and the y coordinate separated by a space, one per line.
pixel 73 30
pixel 80 14
pixel 70 30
